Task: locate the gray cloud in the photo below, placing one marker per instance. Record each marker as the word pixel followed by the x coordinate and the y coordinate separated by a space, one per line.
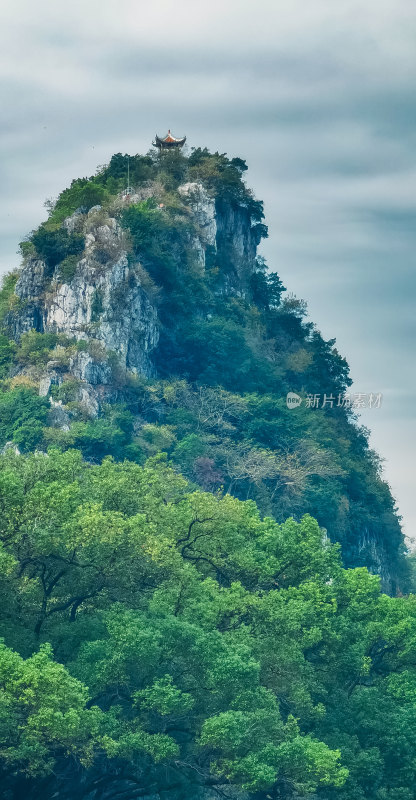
pixel 318 96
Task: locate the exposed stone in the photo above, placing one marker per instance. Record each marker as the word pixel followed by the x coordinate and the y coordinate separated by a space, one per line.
pixel 58 417
pixel 54 364
pixel 31 280
pixel 105 303
pixel 227 229
pixel 203 207
pixel 237 240
pixel 85 368
pixel 10 446
pixel 51 378
pixel 372 552
pixel 29 288
pixel 44 385
pixel 88 399
pixel 71 223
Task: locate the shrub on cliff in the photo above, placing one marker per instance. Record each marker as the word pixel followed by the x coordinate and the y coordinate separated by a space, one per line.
pixel 83 194
pixel 53 246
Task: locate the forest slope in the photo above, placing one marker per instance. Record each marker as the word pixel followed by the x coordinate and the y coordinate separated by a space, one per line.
pixel 149 323
pixel 188 609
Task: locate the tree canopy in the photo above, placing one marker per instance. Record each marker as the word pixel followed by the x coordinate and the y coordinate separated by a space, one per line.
pixel 168 640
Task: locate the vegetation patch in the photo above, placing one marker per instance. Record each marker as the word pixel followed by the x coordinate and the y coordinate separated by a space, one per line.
pixel 8 299
pixel 68 268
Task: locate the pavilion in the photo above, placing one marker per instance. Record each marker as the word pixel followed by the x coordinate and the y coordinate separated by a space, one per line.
pixel 168 142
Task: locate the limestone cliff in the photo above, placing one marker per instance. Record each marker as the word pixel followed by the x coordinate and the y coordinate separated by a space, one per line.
pixel 107 301
pixel 153 304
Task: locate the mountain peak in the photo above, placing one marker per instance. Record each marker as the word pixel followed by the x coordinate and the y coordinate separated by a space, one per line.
pixel 144 319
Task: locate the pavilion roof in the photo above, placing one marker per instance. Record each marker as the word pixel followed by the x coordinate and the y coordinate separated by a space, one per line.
pixel 169 140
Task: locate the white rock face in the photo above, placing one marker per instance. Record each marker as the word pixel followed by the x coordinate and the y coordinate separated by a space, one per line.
pixel 72 222
pixel 106 304
pixel 203 207
pixel 29 289
pixel 237 240
pixel 227 229
pixel 88 399
pixel 10 446
pixel 109 306
pixel 45 385
pixel 58 417
pixel 69 309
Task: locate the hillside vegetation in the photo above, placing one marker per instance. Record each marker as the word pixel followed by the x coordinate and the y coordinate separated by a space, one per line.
pixel 191 570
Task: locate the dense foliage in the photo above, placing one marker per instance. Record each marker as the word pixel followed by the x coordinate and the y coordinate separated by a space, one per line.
pixel 171 640
pixel 177 615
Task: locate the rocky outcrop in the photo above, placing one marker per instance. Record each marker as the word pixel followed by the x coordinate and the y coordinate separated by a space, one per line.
pixel 30 291
pixel 105 304
pixel 203 207
pixel 105 301
pixel 237 240
pixel 111 307
pixel 369 550
pixel 227 236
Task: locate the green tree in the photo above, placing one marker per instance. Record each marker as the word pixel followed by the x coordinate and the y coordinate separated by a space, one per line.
pixel 22 417
pixel 217 647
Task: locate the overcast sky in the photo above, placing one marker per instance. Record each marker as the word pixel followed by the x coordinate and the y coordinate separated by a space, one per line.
pixel 318 96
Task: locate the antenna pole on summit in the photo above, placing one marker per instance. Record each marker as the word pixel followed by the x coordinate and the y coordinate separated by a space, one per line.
pixel 128 191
